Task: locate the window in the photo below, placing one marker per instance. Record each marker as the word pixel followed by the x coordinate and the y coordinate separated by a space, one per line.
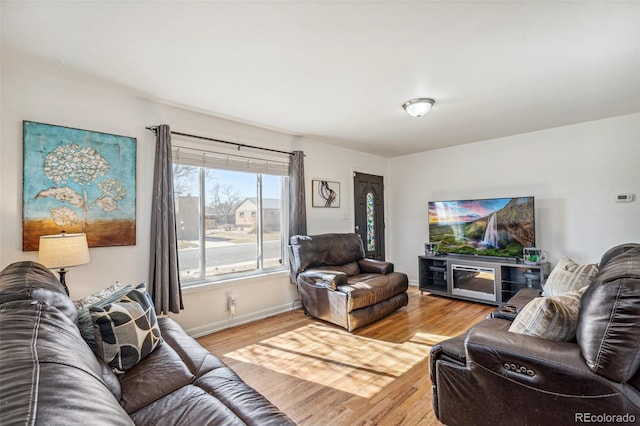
pixel 230 222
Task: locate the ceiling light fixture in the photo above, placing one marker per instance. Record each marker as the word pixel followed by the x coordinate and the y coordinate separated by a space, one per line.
pixel 418 107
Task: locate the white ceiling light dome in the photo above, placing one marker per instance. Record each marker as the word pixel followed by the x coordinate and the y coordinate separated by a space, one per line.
pixel 419 106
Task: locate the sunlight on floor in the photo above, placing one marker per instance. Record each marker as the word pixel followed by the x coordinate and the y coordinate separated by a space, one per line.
pixel 428 339
pixel 337 358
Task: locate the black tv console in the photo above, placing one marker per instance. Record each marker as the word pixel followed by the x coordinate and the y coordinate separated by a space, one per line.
pixel 486 280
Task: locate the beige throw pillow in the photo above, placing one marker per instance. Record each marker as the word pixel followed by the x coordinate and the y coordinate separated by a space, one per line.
pixel 553 317
pixel 569 276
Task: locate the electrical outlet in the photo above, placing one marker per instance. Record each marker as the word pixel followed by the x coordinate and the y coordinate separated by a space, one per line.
pixel 231 303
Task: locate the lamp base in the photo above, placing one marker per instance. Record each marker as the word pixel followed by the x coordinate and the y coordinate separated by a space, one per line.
pixel 62 273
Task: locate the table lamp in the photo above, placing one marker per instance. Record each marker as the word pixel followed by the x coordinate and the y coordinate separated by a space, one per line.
pixel 63 251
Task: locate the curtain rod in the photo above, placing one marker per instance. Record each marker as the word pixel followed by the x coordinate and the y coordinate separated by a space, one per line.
pixel 239 145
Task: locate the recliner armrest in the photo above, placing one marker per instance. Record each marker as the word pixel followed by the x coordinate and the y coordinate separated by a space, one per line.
pixel 375 266
pixel 548 365
pixel 319 278
pixel 450 350
pixel 453 350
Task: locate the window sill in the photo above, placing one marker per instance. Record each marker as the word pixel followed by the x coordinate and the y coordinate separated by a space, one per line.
pixel 206 285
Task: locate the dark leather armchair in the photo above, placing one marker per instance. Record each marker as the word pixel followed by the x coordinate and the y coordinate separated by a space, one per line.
pixel 337 284
pixel 490 376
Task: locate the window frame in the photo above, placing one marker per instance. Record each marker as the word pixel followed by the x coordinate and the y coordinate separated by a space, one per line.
pixel 260 269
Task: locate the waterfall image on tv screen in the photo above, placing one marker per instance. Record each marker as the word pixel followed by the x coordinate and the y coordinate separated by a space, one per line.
pixel 491 227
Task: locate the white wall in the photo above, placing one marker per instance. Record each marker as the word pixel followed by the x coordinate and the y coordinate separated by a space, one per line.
pixel 54 100
pixel 574 172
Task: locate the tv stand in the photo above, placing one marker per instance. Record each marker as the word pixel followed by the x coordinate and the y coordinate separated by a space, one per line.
pixel 485 280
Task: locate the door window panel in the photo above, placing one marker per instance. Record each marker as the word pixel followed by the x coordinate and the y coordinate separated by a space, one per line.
pixel 371 230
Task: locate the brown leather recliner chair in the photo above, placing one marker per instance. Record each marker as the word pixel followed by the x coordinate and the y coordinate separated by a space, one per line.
pixel 337 284
pixel 490 376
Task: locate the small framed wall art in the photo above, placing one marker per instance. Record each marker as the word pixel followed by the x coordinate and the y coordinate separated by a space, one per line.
pixel 78 181
pixel 325 193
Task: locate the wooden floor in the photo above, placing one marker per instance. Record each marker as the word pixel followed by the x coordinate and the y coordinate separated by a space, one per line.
pixel 320 374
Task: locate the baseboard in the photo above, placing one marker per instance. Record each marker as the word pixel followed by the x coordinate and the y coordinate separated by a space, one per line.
pixel 212 327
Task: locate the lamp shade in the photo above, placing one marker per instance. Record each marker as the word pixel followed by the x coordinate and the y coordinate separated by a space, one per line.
pixel 418 107
pixel 64 250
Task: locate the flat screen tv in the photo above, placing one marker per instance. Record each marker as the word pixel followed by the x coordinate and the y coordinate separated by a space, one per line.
pixel 488 227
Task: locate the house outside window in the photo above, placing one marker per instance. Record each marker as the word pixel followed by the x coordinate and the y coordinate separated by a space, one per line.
pixel 230 222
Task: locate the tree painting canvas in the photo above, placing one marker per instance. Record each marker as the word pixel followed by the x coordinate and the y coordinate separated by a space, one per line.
pixel 78 181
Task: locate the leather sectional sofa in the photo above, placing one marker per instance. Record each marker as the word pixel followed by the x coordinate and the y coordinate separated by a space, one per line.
pixel 49 375
pixel 492 376
pixel 337 284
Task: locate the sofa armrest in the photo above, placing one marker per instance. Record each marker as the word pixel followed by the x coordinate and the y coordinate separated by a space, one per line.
pixel 375 266
pixel 524 296
pixel 513 306
pixel 546 365
pixel 320 278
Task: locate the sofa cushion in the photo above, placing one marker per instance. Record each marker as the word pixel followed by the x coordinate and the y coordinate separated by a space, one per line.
pixel 607 331
pixel 189 405
pixel 211 393
pixel 159 374
pixel 48 373
pixel 552 317
pixel 568 276
pixel 100 299
pixel 369 289
pixel 127 330
pixel 196 405
pixel 29 280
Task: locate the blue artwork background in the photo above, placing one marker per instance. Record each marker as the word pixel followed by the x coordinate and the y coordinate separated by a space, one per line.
pixel 119 151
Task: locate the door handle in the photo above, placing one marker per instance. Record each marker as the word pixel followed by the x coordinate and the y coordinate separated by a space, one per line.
pixel 357 228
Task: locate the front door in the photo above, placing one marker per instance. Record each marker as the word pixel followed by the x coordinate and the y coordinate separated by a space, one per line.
pixel 369 213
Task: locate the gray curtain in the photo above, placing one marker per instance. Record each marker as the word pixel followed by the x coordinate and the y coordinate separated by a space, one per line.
pixel 164 277
pixel 297 203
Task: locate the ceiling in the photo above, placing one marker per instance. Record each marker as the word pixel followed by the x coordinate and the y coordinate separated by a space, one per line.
pixel 339 71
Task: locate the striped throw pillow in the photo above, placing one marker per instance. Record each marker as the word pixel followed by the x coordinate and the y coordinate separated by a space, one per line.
pixel 569 276
pixel 553 317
